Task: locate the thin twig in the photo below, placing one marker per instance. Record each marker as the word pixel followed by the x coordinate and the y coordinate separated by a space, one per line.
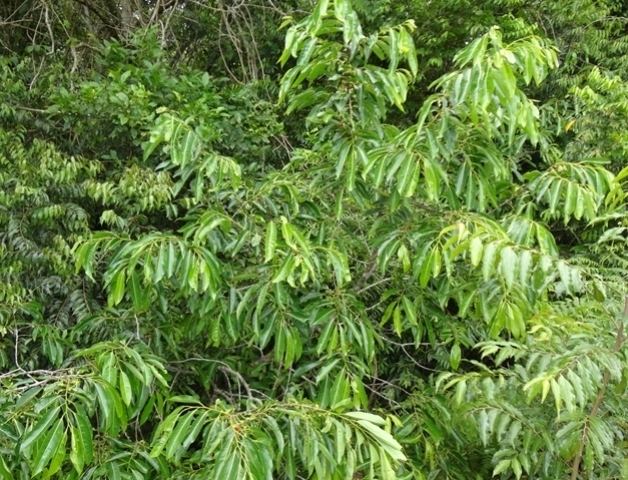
pixel 372 285
pixel 16 350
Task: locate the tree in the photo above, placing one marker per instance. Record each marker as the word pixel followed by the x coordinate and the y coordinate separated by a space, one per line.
pixel 344 272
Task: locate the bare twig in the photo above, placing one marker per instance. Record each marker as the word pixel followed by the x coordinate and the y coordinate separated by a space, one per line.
pixel 29 109
pixel 101 16
pixel 49 27
pixel 165 25
pixel 373 285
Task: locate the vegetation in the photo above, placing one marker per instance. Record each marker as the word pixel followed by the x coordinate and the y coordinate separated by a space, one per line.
pixel 313 240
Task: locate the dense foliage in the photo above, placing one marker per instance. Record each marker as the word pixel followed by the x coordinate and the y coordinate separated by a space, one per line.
pixel 313 240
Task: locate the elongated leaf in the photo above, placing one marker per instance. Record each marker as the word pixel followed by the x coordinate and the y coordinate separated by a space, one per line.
pixel 40 427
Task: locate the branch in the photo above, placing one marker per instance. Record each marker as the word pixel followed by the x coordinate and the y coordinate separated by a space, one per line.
pixel 99 14
pixel 619 340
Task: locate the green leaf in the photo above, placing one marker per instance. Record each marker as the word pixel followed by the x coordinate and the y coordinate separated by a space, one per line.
pixel 179 434
pixel 50 445
pixel 126 392
pixel 508 265
pixel 77 455
pixel 410 310
pixel 40 427
pixel 501 467
pixel 271 241
pixel 163 432
pixel 138 294
pixel 82 452
pixel 113 471
pixel 476 247
pixel 461 390
pixel 368 417
pixel 454 356
pixel 488 260
pixel 384 439
pixel 5 473
pixel 116 290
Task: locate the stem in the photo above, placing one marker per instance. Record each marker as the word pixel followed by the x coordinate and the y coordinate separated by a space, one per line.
pixel 619 340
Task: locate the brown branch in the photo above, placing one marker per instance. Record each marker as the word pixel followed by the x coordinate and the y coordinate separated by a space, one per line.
pixel 619 340
pixel 165 25
pixel 29 109
pixel 101 16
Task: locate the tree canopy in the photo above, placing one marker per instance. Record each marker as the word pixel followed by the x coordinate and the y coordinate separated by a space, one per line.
pixel 298 239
